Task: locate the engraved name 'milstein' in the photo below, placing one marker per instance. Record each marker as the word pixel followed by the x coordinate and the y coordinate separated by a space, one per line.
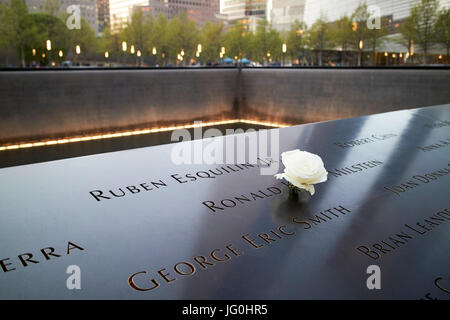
pixel 355 168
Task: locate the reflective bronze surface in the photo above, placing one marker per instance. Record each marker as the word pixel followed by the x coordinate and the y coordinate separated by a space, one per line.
pixel 314 247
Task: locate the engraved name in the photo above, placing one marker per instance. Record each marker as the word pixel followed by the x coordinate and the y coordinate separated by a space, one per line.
pixel 410 231
pixel 28 258
pixel 438 145
pixel 177 178
pixel 242 199
pixel 439 124
pixel 417 181
pixel 371 139
pixel 142 281
pixel 355 168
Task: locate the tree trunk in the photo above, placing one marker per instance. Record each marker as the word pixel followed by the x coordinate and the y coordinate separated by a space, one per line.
pixel 425 54
pixel 374 57
pixel 359 58
pixel 22 55
pixel 447 58
pixel 319 57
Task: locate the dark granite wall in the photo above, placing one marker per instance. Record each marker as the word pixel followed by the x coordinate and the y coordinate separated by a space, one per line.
pixel 310 95
pixel 46 104
pixel 60 103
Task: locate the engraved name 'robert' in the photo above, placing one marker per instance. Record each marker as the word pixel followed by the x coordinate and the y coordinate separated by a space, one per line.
pixel 30 258
pixel 371 139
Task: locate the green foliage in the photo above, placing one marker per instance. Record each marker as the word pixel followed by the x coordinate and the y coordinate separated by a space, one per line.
pixel 320 37
pixel 138 31
pixel 158 40
pixel 359 24
pixel 235 41
pixel 421 25
pixel 212 40
pixel 52 7
pixel 85 38
pixel 17 27
pixel 110 42
pixel 295 39
pixel 267 43
pixel 376 36
pixel 46 27
pixel 182 34
pixel 343 34
pixel 407 30
pixel 442 30
pixel 22 31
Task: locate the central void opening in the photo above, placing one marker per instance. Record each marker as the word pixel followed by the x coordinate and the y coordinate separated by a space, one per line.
pixel 84 148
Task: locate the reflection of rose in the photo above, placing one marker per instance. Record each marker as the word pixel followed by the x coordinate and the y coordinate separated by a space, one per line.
pixel 303 169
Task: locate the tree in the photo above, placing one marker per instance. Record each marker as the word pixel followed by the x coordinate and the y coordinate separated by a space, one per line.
pixel 182 36
pixel 83 37
pixel 319 37
pixel 343 36
pixel 408 34
pixel 110 42
pixel 442 30
pixel 375 37
pixel 295 39
pixel 261 41
pixel 47 27
pixel 52 7
pixel 212 39
pixel 17 27
pixel 236 42
pixel 138 31
pixel 158 40
pixel 267 42
pixel 359 26
pixel 3 39
pixel 424 18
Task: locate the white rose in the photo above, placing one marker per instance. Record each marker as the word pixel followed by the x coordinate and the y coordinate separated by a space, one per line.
pixel 303 169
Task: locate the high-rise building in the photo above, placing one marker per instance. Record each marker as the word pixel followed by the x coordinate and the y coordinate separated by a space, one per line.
pixel 88 10
pixel 199 11
pixel 396 10
pixel 120 11
pixel 247 11
pixel 238 9
pixel 103 14
pixel 282 13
